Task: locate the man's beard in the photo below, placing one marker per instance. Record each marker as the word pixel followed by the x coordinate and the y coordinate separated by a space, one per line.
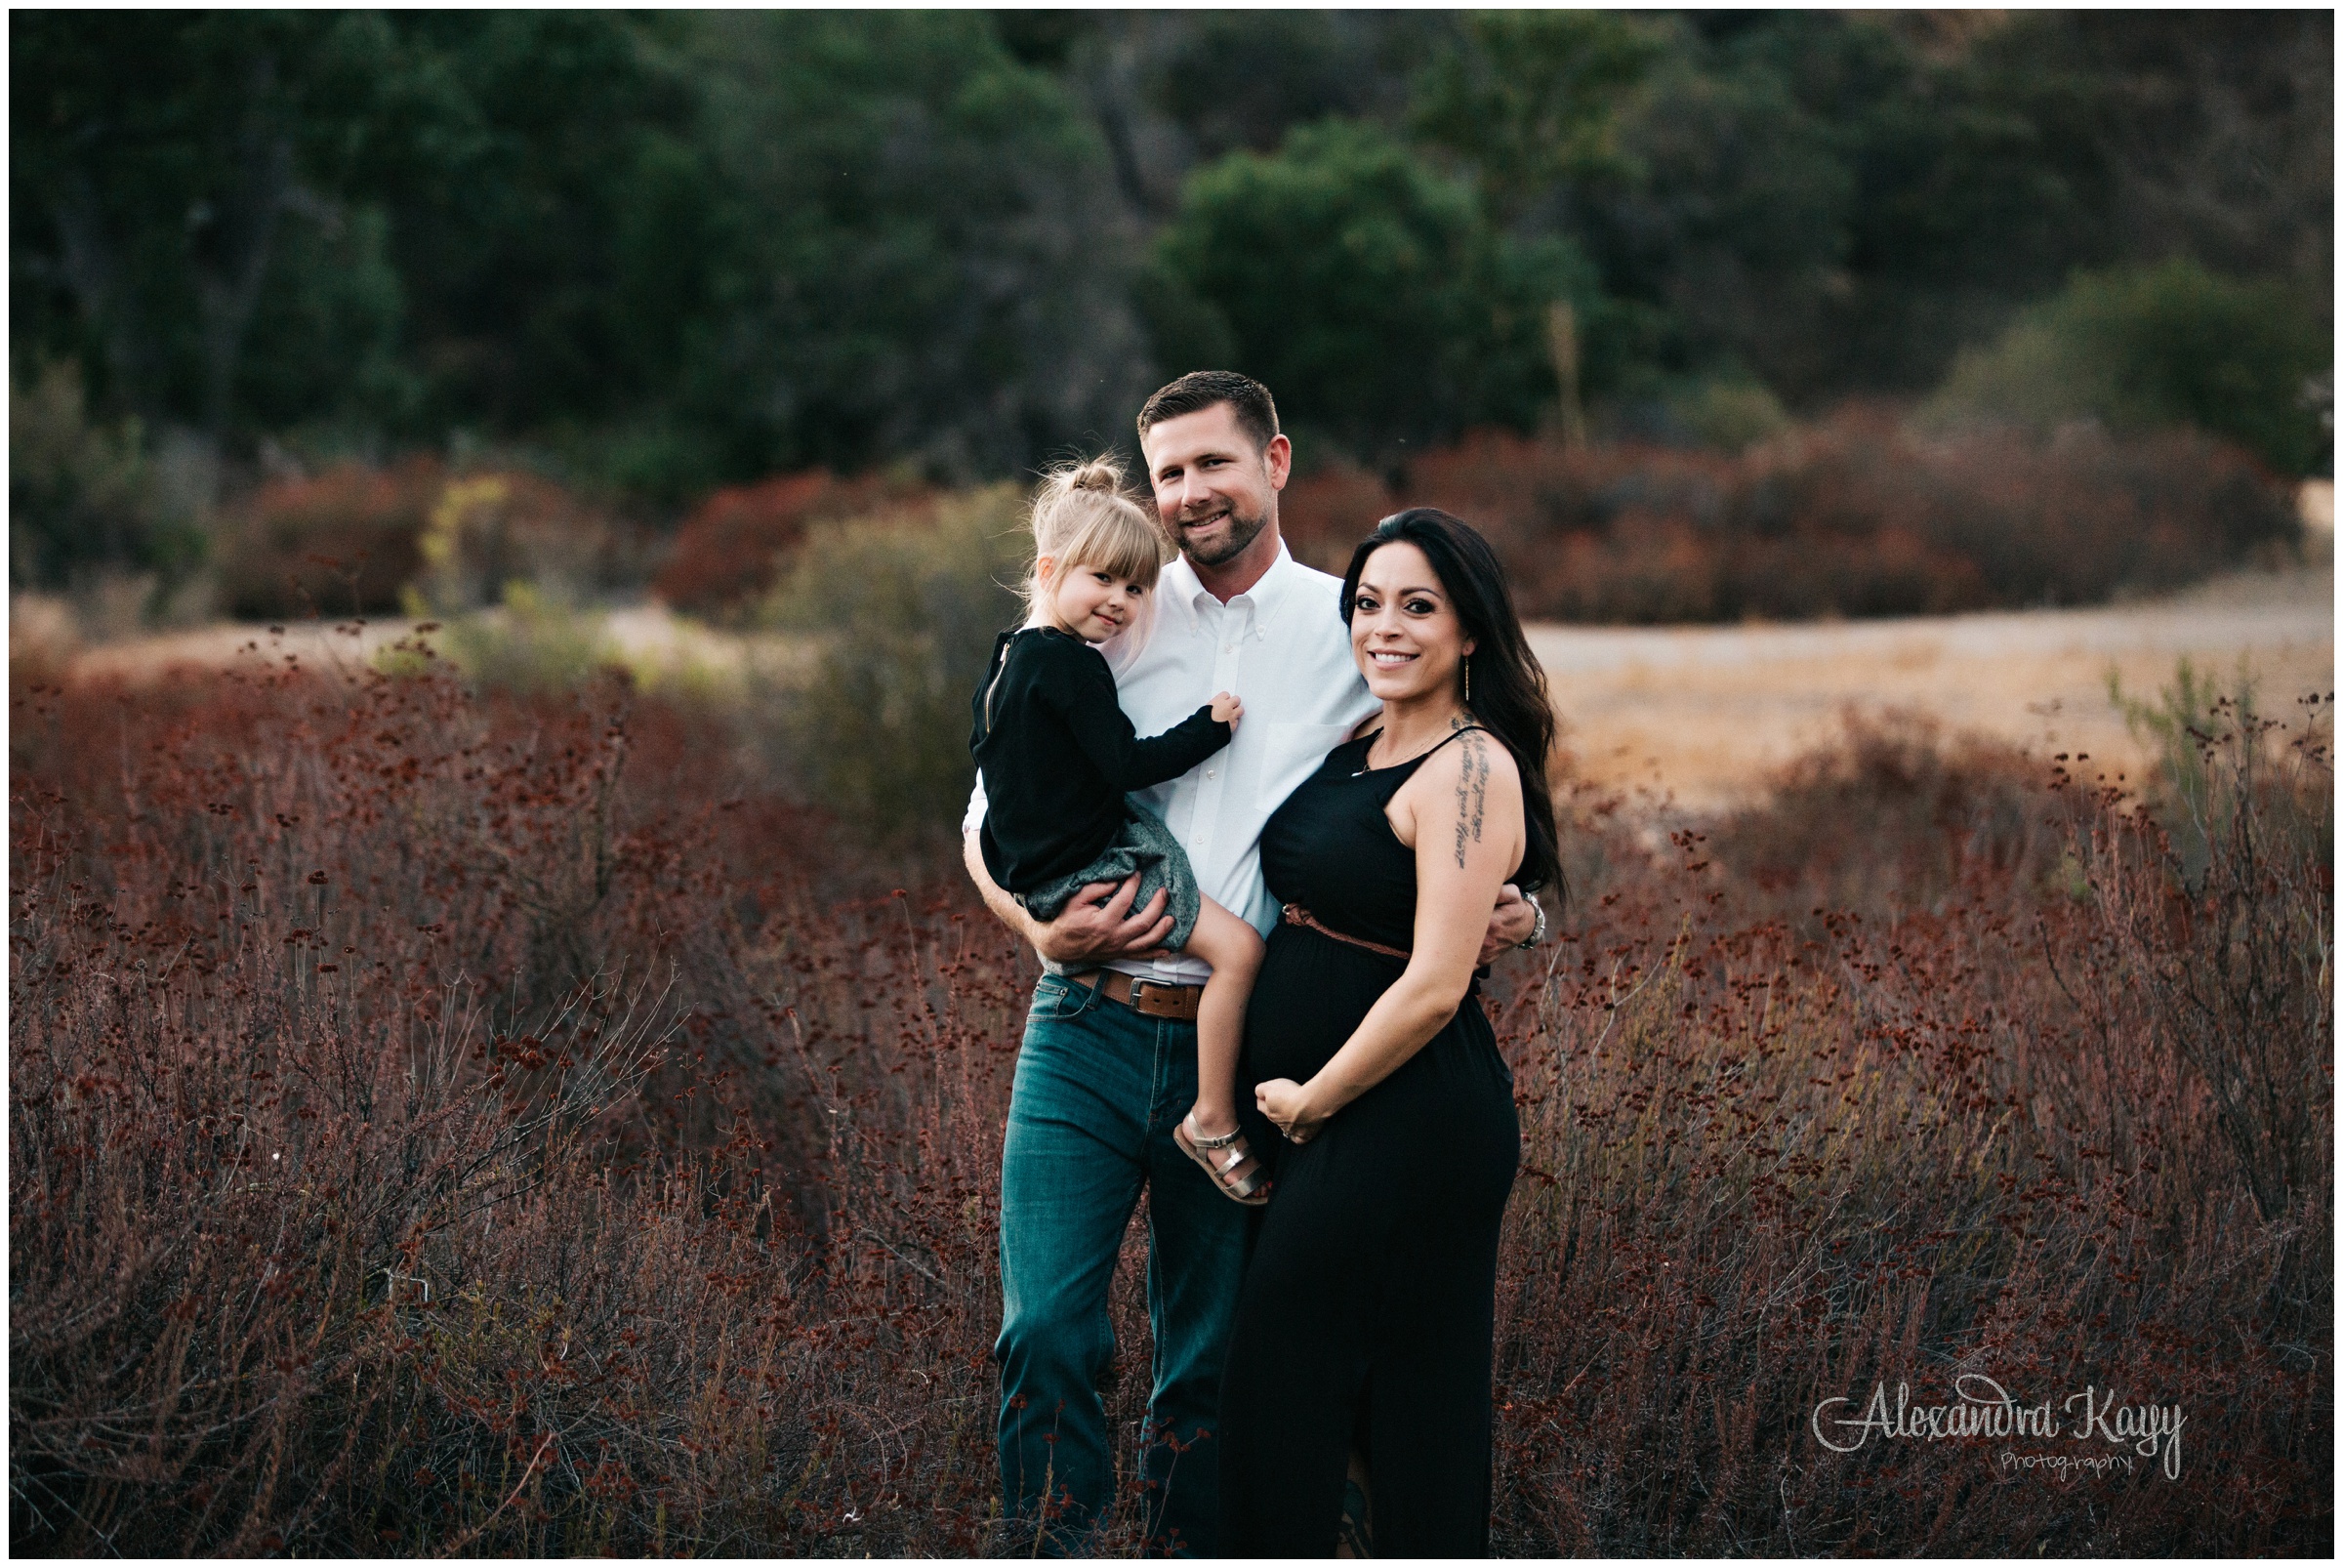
pixel 1242 533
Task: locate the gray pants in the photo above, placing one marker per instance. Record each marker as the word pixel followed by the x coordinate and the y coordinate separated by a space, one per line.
pixel 1142 845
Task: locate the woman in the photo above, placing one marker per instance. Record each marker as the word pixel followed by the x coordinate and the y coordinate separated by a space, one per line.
pixel 1362 1327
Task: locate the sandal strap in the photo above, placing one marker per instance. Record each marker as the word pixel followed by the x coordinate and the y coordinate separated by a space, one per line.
pixel 1246 1186
pixel 1220 1142
pixel 1223 1173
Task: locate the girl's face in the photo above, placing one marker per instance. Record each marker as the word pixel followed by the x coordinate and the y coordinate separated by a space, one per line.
pixel 1404 632
pixel 1089 602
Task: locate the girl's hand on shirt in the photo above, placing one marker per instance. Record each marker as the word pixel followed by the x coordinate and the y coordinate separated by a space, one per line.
pixel 1227 710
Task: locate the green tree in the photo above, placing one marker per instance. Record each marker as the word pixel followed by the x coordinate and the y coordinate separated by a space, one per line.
pixel 924 256
pixel 1369 290
pixel 1708 167
pixel 158 161
pixel 1838 202
pixel 556 222
pixel 2171 343
pixel 2204 133
pixel 676 248
pixel 249 221
pixel 1531 100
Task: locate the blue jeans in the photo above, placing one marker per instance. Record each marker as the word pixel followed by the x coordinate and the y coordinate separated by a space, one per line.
pixel 1099 1087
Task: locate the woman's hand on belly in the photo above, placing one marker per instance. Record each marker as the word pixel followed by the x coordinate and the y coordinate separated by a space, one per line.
pixel 1289 1104
pixel 1463 822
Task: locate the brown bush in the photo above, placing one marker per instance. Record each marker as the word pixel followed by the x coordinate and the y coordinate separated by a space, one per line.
pixel 1766 1165
pixel 353 539
pixel 1893 816
pixel 1855 515
pixel 452 1157
pixel 329 998
pixel 729 552
pixel 1324 515
pixel 2222 943
pixel 343 541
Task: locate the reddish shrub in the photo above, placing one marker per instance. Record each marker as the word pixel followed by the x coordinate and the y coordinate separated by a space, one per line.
pixel 1893 817
pixel 511 1175
pixel 364 1199
pixel 727 554
pixel 1855 515
pixel 342 542
pixel 349 540
pixel 1324 516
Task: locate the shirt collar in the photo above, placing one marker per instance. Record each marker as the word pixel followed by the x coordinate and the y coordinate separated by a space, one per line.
pixel 1265 596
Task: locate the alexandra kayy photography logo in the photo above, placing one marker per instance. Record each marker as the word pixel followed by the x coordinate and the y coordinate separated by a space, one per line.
pixel 2098 1432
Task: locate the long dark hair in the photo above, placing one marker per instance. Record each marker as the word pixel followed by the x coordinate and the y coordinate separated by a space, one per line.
pixel 1508 688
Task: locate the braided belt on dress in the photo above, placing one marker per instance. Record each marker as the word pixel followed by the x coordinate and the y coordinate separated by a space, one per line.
pixel 1295 915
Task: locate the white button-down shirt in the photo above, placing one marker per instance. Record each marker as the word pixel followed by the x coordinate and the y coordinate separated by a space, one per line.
pixel 1283 648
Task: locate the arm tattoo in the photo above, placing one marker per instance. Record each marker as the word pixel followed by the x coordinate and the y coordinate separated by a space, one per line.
pixel 1472 791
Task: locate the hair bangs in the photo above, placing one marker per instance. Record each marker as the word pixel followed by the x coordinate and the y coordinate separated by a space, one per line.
pixel 1116 539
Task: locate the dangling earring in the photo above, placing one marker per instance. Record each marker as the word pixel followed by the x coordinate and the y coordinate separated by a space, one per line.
pixel 1467 679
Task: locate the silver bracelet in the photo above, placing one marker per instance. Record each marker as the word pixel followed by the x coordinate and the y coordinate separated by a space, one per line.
pixel 1538 931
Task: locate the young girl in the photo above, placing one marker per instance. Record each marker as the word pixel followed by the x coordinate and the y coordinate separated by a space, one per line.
pixel 1059 758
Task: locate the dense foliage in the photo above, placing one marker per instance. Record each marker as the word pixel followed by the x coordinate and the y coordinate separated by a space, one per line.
pixel 1368 289
pixel 2170 344
pixel 666 252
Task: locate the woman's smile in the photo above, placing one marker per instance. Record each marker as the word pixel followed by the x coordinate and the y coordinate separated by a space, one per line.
pixel 1403 630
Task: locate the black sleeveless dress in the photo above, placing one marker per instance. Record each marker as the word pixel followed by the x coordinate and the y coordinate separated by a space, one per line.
pixel 1369 1305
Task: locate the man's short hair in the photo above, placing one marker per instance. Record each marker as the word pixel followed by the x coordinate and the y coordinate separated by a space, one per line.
pixel 1200 389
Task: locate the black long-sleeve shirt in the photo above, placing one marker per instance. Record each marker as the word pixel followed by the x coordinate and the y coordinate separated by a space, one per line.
pixel 1058 753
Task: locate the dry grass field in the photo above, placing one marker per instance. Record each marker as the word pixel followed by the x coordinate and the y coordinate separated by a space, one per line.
pixel 1706 713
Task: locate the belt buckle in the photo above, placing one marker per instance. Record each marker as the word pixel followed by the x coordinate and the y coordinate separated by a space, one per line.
pixel 1142 997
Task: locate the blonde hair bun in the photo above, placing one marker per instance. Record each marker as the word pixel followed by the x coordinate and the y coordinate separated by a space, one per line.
pixel 1097 473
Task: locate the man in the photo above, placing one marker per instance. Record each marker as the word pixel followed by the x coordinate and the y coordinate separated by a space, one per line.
pixel 1108 1063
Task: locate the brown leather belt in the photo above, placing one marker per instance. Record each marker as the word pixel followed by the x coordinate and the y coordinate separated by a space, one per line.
pixel 1154 998
pixel 1295 915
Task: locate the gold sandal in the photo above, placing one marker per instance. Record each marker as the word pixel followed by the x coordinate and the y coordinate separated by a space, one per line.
pixel 1250 1189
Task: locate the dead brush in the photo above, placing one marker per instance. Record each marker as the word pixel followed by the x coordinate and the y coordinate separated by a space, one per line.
pixel 546 1275
pixel 2222 954
pixel 1854 514
pixel 267 1189
pixel 1768 1162
pixel 349 1216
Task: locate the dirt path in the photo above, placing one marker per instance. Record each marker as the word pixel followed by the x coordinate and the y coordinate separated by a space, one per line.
pixel 1703 711
pixel 1707 712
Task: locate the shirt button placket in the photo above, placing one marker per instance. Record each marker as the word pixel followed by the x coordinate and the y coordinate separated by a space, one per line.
pixel 1228 636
